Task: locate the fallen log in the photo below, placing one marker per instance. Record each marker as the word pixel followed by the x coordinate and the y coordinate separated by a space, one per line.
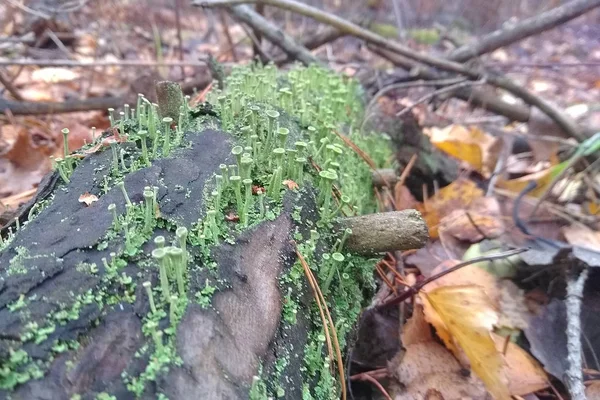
pixel 165 266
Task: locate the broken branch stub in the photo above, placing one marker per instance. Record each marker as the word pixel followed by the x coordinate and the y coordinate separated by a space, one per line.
pixel 383 232
pixel 170 99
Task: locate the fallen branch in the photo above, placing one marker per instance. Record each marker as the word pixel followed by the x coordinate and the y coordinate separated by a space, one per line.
pixel 480 98
pixel 561 119
pixel 522 29
pixel 447 89
pixel 574 372
pixel 259 24
pixel 327 35
pixel 91 64
pixel 36 108
pixel 383 232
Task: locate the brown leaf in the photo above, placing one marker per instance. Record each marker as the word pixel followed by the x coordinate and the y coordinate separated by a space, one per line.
pixel 290 184
pixel 88 198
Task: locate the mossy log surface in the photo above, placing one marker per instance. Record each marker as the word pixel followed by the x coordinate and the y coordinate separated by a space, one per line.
pixel 84 310
pixel 220 347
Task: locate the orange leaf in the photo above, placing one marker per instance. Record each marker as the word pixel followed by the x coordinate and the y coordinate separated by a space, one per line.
pixel 290 184
pixel 467 314
pixel 88 198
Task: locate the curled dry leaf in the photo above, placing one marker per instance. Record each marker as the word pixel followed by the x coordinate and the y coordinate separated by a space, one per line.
pixel 88 199
pixel 482 220
pixel 459 195
pixel 525 375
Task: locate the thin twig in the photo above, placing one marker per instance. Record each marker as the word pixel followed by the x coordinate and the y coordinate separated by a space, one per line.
pixel 525 28
pixel 10 87
pixel 273 34
pixel 36 108
pixel 574 374
pixel 403 85
pixel 225 25
pixel 95 63
pixel 438 92
pixel 412 290
pixel 179 36
pixel 367 377
pixel 338 351
pixel 28 10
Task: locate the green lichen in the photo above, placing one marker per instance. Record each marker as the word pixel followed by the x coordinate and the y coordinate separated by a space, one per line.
pixel 283 123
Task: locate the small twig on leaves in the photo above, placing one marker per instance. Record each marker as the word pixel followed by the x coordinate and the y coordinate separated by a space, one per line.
pixel 413 290
pixel 447 89
pixel 403 85
pixel 574 374
pixel 367 377
pixel 574 160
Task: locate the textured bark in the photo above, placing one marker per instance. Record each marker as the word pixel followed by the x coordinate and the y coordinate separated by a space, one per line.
pixel 383 232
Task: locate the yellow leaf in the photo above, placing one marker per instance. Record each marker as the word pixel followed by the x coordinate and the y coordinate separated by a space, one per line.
pixel 542 178
pixel 472 145
pixel 467 152
pixel 469 317
pixel 524 373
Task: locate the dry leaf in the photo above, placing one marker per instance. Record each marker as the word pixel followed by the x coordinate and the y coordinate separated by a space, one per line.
pixel 542 178
pixel 416 329
pixel 468 316
pixel 290 184
pixel 582 236
pixel 472 145
pixel 482 220
pixel 460 194
pixel 88 199
pixel 525 375
pixel 427 367
pixel 54 75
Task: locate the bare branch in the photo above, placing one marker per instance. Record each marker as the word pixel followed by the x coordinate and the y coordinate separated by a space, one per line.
pixel 561 119
pixel 274 34
pixel 91 64
pixel 574 374
pixel 522 29
pixel 35 108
